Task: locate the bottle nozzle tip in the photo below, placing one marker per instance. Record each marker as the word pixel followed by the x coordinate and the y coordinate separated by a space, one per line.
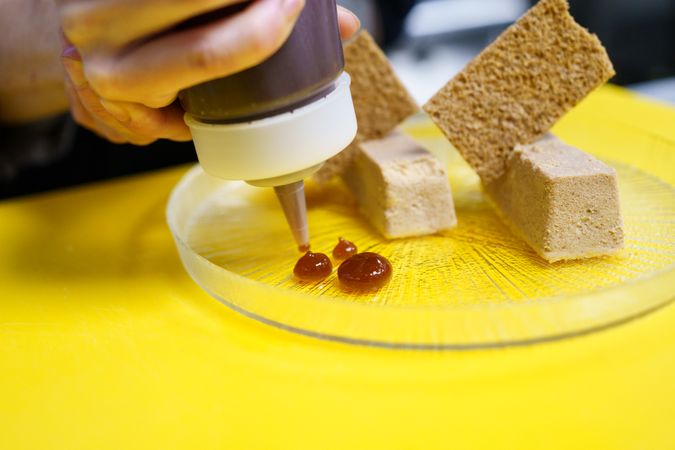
pixel 292 199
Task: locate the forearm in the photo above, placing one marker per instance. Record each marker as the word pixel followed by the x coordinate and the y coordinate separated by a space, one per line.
pixel 31 75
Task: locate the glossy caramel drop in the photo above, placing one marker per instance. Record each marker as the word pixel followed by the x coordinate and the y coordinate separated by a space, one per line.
pixel 313 267
pixel 364 272
pixel 344 249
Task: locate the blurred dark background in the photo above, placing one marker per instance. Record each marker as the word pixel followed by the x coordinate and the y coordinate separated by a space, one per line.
pixel 639 35
pixel 427 40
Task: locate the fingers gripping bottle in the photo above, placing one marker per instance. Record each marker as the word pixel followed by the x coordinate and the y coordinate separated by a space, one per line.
pixel 275 124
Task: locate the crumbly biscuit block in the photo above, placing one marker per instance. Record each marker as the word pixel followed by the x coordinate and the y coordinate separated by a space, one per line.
pixel 338 164
pixel 519 86
pixel 381 101
pixel 401 188
pixel 560 200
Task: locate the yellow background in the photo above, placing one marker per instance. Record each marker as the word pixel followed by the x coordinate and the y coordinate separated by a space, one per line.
pixel 106 343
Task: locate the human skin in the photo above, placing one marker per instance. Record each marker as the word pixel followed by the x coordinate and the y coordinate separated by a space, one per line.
pixel 123 75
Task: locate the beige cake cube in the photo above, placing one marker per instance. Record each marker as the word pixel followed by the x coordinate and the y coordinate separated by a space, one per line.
pixel 381 101
pixel 401 188
pixel 560 200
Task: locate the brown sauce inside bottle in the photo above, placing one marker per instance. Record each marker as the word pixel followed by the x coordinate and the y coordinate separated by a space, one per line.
pixel 365 271
pixel 304 69
pixel 344 249
pixel 313 267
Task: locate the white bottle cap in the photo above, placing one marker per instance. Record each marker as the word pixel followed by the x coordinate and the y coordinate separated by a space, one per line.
pixel 280 149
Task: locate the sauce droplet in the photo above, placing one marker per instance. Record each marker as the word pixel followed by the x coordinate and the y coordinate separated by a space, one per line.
pixel 364 272
pixel 344 249
pixel 304 248
pixel 313 267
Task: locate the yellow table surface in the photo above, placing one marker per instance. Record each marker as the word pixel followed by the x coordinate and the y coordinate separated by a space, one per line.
pixel 106 343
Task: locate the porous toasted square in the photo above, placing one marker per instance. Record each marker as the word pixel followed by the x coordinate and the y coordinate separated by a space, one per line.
pixel 401 188
pixel 519 86
pixel 381 101
pixel 338 164
pixel 560 200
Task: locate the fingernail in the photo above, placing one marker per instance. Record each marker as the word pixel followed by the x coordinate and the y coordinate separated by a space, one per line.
pixel 352 16
pixel 118 112
pixel 70 52
pixel 291 8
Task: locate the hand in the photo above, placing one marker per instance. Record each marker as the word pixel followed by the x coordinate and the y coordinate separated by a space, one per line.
pixel 123 77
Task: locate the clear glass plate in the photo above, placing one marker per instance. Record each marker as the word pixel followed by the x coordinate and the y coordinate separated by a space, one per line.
pixel 476 286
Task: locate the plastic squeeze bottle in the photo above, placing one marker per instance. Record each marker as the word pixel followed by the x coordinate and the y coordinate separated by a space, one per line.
pixel 275 124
